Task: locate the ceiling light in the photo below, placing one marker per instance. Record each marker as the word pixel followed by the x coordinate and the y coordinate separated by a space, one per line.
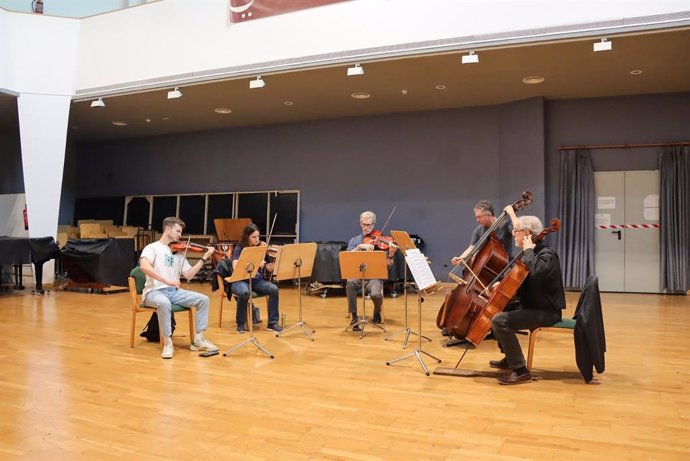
pixel 635 72
pixel 98 103
pixel 361 95
pixel 533 80
pixel 355 70
pixel 258 83
pixel 470 58
pixel 288 103
pixel 603 45
pixel 222 110
pixel 440 87
pixel 119 123
pixel 174 94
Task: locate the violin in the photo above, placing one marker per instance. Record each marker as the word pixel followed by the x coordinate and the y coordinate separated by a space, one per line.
pixel 187 246
pixel 380 242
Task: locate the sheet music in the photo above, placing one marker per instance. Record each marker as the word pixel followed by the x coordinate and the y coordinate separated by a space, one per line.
pixel 421 272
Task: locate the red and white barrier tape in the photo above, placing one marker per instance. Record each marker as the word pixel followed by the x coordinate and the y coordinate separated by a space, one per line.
pixel 629 226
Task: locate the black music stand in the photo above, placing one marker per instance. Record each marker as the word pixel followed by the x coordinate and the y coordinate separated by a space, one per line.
pixel 426 283
pixel 363 265
pixel 295 261
pixel 404 242
pixel 250 260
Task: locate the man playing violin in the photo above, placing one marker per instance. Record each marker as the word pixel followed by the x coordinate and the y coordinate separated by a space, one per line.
pixel 250 237
pixel 538 302
pixel 162 289
pixel 361 242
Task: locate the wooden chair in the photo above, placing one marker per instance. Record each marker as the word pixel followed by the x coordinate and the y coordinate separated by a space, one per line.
pixel 566 326
pixel 136 280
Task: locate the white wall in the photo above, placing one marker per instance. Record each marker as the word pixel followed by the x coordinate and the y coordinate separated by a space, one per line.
pixel 176 37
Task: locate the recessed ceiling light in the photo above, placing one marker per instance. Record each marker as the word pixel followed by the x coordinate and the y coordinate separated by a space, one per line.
pixel 533 80
pixel 148 120
pixel 440 87
pixel 119 123
pixel 165 118
pixel 288 103
pixel 635 72
pixel 403 92
pixel 222 110
pixel 361 95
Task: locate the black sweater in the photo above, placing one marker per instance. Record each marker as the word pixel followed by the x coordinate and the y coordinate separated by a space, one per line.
pixel 543 287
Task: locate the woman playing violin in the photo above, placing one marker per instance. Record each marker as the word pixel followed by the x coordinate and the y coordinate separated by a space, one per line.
pixel 538 303
pixel 250 237
pixel 368 240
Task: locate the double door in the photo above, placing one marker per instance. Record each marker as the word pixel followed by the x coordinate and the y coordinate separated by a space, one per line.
pixel 627 259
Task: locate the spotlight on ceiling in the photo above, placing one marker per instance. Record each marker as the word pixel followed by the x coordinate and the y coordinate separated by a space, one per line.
pixel 174 94
pixel 257 83
pixel 603 45
pixel 470 58
pixel 98 103
pixel 355 70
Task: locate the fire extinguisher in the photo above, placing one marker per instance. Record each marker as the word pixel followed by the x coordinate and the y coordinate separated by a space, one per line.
pixel 37 6
pixel 26 219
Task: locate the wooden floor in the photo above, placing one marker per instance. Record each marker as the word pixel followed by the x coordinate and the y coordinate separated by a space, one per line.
pixel 72 389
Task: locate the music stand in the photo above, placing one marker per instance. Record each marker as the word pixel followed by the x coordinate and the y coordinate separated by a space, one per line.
pixel 426 283
pixel 363 265
pixel 404 242
pixel 245 269
pixel 295 261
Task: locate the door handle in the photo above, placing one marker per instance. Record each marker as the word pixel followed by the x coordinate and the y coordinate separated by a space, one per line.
pixel 619 232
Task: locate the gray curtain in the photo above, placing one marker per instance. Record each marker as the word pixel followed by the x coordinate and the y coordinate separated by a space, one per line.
pixel 675 219
pixel 576 212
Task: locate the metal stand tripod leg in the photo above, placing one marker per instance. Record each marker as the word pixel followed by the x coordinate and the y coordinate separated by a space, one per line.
pixel 363 322
pixel 251 338
pixel 303 325
pixel 417 352
pixel 407 329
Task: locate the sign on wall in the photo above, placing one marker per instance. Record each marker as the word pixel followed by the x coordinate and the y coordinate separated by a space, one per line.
pixel 244 10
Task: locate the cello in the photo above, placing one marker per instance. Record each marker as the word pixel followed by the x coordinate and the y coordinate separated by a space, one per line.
pixel 511 278
pixel 488 258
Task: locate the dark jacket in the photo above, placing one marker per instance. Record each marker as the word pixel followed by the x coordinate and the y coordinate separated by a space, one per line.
pixel 543 287
pixel 590 340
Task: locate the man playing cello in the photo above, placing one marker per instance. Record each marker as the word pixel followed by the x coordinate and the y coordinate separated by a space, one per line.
pixel 538 302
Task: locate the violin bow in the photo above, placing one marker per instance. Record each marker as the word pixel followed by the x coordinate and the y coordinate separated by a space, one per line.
pixel 184 255
pixel 389 218
pixel 270 233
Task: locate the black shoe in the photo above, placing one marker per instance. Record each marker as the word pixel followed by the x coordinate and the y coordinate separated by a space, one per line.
pixel 377 317
pixel 353 322
pixel 514 378
pixel 500 364
pixel 445 332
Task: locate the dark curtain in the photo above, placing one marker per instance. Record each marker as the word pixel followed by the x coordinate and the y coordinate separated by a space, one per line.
pixel 675 219
pixel 576 212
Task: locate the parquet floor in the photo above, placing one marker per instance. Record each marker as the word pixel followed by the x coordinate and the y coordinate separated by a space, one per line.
pixel 72 389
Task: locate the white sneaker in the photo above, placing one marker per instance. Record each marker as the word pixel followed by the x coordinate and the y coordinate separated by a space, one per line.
pixel 202 344
pixel 168 351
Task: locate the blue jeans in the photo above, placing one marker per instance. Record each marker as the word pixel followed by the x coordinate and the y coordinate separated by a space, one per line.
pixel 163 298
pixel 261 287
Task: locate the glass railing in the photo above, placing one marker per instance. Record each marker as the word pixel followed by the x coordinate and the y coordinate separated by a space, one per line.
pixel 70 8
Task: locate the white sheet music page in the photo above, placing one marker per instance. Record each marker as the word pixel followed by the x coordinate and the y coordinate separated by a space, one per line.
pixel 421 272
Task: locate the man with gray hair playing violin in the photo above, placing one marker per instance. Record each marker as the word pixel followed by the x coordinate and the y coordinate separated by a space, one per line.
pixel 538 302
pixel 366 241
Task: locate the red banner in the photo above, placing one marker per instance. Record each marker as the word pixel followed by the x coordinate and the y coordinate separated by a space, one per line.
pixel 244 10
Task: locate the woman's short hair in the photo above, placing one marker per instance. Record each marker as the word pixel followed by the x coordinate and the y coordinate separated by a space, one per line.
pixel 485 206
pixel 368 215
pixel 531 224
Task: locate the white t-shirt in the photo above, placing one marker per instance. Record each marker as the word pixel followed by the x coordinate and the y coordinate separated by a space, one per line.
pixel 165 263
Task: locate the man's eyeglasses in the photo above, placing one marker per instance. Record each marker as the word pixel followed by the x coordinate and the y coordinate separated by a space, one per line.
pixel 515 231
pixel 366 224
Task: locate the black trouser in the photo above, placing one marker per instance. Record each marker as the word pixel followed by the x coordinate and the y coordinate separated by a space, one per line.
pixel 506 324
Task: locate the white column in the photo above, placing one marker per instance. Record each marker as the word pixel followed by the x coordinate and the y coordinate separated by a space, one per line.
pixel 43 135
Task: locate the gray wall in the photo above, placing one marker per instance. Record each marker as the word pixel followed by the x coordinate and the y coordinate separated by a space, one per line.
pixel 434 166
